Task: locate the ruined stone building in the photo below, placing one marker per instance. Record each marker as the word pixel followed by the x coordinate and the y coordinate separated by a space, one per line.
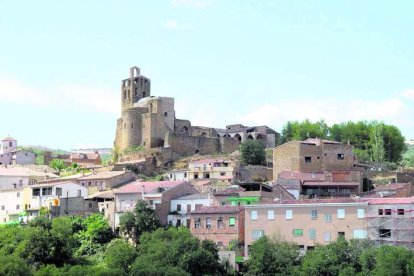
pixel 149 122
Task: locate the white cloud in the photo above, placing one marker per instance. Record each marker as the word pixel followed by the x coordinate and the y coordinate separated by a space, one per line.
pixel 196 4
pixel 408 93
pixel 172 24
pixel 12 91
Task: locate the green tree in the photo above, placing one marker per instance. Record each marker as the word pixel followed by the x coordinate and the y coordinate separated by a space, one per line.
pixel 94 235
pixel 13 266
pixel 392 260
pixel 141 220
pixel 57 164
pixel 281 257
pixel 377 143
pixel 253 152
pixel 299 131
pixel 120 254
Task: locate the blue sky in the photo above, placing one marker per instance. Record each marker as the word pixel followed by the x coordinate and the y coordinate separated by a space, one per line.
pixel 249 62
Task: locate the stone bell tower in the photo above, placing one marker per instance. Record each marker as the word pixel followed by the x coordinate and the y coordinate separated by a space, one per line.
pixel 134 88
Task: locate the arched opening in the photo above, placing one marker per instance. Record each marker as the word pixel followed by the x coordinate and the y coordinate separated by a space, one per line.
pixel 261 137
pixel 203 134
pixel 184 129
pixel 197 151
pixel 226 135
pixel 250 137
pixel 238 137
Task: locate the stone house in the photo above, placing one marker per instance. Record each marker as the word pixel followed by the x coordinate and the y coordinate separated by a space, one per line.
pixel 23 157
pixel 10 155
pixel 101 181
pixel 157 194
pixel 217 169
pixel 221 224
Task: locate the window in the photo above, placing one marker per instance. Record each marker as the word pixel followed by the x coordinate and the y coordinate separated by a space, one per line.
pixel 360 234
pixel 220 223
pixel 400 212
pixel 385 233
pixel 270 214
pixel 196 175
pixel 328 218
pixel 132 125
pixel 297 232
pixel 79 193
pixel 59 191
pixel 207 175
pixel 185 174
pixel 165 114
pixel 219 243
pixel 223 203
pixel 36 192
pixel 20 183
pixel 253 215
pixel 341 234
pixel 18 194
pixel 289 214
pixel 178 207
pixel 47 191
pixel 178 224
pixel 10 144
pixel 2 207
pixel 388 212
pixel 341 213
pixel 197 222
pixel 222 174
pixel 90 205
pixel 308 159
pixel 232 221
pixel 361 213
pixel 314 214
pixel 17 207
pixel 90 183
pixel 312 234
pixel 341 156
pixel 257 234
pixel 327 236
pixel 380 212
pixel 208 223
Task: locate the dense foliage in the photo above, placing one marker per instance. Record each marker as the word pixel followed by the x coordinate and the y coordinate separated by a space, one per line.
pixel 253 152
pixel 373 141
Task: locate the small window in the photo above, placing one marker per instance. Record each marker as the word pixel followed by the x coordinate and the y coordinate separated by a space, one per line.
pixel 132 125
pixel 90 183
pixel 360 234
pixel 289 214
pixel 297 232
pixel 219 243
pixel 380 212
pixel 257 234
pixel 79 193
pixel 20 183
pixel 270 214
pixel 327 236
pixel 220 223
pixel 328 217
pixel 165 114
pixel 385 233
pixel 197 223
pixel 361 213
pixel 17 207
pixel 178 207
pixel 341 213
pixel 222 174
pixel 207 175
pixel 253 215
pixel 2 207
pixel 341 234
pixel 90 205
pixel 196 175
pixel 18 194
pixel 223 203
pixel 36 192
pixel 388 212
pixel 341 156
pixel 308 159
pixel 232 221
pixel 208 223
pixel 314 214
pixel 312 234
pixel 400 212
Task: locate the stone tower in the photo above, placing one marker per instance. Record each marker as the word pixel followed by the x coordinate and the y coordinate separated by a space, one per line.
pixel 134 88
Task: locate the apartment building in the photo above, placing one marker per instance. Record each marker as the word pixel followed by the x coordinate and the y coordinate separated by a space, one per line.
pixel 182 207
pixel 218 169
pixel 306 222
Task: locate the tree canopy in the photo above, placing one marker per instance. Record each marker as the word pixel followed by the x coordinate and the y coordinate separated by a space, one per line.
pixel 253 152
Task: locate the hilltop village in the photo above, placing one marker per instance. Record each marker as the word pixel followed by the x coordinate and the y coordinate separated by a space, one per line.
pixel 309 191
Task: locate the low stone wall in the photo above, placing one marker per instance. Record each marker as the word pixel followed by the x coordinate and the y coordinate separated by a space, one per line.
pixel 255 173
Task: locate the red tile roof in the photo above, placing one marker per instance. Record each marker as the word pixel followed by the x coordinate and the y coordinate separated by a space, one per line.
pixel 329 183
pixel 218 210
pixel 8 138
pixel 397 200
pixel 325 200
pixel 148 187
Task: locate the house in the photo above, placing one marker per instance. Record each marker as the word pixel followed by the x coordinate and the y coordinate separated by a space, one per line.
pixel 23 157
pixel 306 222
pixel 221 224
pixel 11 155
pixel 101 181
pixel 221 170
pixel 105 203
pixel 12 177
pixel 177 175
pixel 157 194
pixel 182 207
pixel 86 160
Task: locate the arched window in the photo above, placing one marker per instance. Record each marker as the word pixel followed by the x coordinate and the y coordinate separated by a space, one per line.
pixel 125 95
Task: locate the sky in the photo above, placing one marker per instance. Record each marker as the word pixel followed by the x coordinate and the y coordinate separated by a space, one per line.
pixel 224 62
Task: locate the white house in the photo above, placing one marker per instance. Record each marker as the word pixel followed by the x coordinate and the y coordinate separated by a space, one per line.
pixel 178 175
pixel 182 207
pixel 16 177
pixel 10 155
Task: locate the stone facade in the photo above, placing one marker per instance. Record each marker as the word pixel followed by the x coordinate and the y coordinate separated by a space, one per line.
pixel 149 122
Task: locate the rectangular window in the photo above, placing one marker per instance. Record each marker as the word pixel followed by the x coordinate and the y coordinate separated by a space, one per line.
pixel 207 175
pixel 257 234
pixel 17 207
pixel 208 223
pixel 297 232
pixel 18 194
pixel 232 221
pixel 314 214
pixel 289 214
pixel 360 234
pixel 220 223
pixel 196 175
pixel 341 213
pixel 59 191
pixel 253 215
pixel 20 183
pixel 400 212
pixel 388 212
pixel 328 217
pixel 270 214
pixel 223 203
pixel 47 191
pixel 385 233
pixel 178 207
pixel 2 207
pixel 308 159
pixel 380 212
pixel 197 222
pixel 361 213
pixel 341 156
pixel 341 234
pixel 327 236
pixel 79 193
pixel 90 205
pixel 312 234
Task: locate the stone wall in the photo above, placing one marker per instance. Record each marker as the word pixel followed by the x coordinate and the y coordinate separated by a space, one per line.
pixel 254 173
pixel 229 145
pixel 286 158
